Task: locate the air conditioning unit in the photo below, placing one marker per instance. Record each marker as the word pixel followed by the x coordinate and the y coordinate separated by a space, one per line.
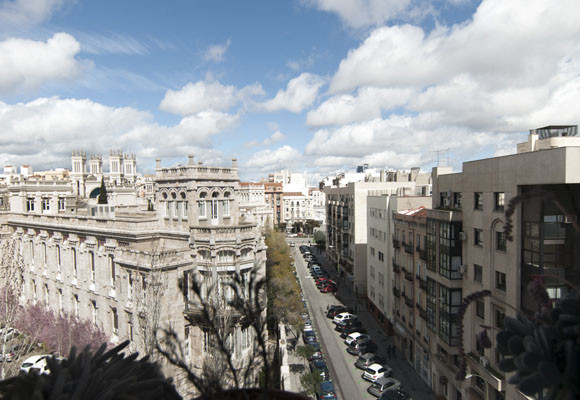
pixel 462 269
pixel 462 235
pixel 483 361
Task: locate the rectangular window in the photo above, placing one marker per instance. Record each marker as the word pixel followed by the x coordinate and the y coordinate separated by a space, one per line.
pixel 478 237
pixel 30 204
pixel 480 309
pixel 226 208
pixel 74 262
pixel 457 200
pixel 184 215
pixel 112 270
pixel 500 241
pixel 381 256
pixel 478 201
pixel 500 283
pixel 45 204
pixel 499 318
pixel 201 209
pixel 115 321
pixel 478 273
pixel 94 311
pixel 214 209
pixel 92 266
pixel 372 251
pixel 129 285
pixel 499 200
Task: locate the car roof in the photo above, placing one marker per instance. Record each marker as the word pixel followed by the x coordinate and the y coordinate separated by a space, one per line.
pixel 375 366
pixel 327 386
pixel 35 359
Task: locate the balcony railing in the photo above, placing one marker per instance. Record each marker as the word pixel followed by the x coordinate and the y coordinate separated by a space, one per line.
pixel 396 292
pixel 422 311
pixel 423 255
pixel 408 248
pixel 408 275
pixel 396 243
pixel 423 284
pixel 408 302
pixel 397 268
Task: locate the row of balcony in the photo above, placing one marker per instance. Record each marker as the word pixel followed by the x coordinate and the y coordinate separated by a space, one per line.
pixel 396 292
pixel 408 301
pixel 408 275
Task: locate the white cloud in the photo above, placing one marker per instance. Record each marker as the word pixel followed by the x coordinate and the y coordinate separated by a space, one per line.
pixel 27 64
pixel 113 43
pixel 362 13
pixel 217 52
pixel 501 46
pixel 275 138
pixel 300 93
pixel 23 13
pixel 269 160
pixel 207 95
pixel 44 131
pixel 368 104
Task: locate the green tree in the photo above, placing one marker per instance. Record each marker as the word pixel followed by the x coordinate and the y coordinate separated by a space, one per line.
pixel 305 352
pixel 102 199
pixel 309 226
pixel 310 382
pixel 320 239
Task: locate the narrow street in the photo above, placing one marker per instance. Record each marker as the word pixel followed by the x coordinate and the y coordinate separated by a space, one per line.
pixel 346 377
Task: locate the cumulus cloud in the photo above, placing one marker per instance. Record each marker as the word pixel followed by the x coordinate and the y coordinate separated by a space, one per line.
pixel 27 12
pixel 476 87
pixel 217 52
pixel 46 130
pixel 362 13
pixel 275 138
pixel 366 105
pixel 27 64
pixel 300 93
pixel 207 95
pixel 269 160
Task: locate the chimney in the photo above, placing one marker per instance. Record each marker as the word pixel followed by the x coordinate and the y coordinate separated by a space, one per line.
pixel 190 159
pixel 158 164
pixel 234 163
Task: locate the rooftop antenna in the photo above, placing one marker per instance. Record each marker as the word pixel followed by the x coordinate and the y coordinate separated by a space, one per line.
pixel 441 151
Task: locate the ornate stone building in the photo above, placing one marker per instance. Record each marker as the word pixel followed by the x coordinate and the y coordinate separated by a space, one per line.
pixel 131 269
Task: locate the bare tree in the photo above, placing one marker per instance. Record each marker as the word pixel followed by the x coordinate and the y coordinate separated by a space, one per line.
pixel 220 315
pixel 11 282
pixel 150 284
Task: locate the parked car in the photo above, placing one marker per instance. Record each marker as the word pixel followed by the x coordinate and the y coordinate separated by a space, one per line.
pixel 348 329
pixel 7 357
pixel 357 349
pixel 376 371
pixel 343 317
pixel 323 280
pixel 367 359
pixel 317 355
pixel 356 338
pixel 341 326
pixel 329 288
pixel 383 385
pixel 320 365
pixel 35 364
pixel 398 394
pixel 8 333
pixel 292 244
pixel 326 391
pixel 333 310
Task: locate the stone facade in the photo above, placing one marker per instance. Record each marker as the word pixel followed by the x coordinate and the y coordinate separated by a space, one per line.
pixel 104 266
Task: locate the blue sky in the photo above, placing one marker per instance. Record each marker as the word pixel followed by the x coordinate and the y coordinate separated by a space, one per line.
pixel 311 85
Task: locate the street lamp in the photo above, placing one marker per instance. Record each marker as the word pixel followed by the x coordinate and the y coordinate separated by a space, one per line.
pixel 485 391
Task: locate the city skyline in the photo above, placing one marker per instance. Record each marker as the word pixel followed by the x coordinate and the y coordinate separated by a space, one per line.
pixel 308 85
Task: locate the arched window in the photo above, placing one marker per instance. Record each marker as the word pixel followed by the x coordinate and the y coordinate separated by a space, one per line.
pixel 226 256
pixel 245 253
pixel 203 255
pixel 201 209
pixel 214 206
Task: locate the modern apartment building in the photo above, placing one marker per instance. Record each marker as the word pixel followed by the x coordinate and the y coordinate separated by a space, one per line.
pixel 275 198
pixel 467 251
pixel 108 267
pixel 346 223
pixel 383 290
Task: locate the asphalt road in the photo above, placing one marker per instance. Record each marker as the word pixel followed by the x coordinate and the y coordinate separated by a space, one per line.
pixel 345 376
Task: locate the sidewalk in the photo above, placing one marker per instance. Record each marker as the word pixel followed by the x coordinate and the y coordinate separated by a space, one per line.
pixel 402 371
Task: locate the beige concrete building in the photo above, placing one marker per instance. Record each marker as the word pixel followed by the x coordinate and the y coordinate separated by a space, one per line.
pixel 467 251
pixel 346 220
pixel 107 267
